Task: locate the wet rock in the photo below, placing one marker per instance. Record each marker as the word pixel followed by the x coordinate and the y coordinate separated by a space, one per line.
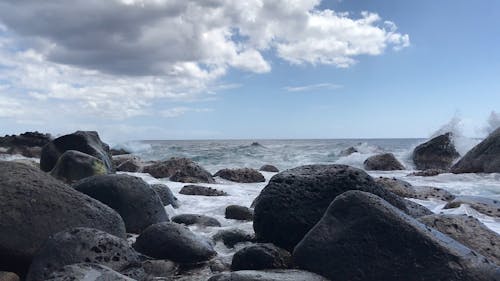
pixel 166 195
pixel 160 268
pixel 294 200
pixel 135 201
pixel 416 210
pixel 84 141
pixel 243 175
pixel 483 158
pixel 405 189
pixel 174 242
pixel 269 168
pixel 392 246
pixel 487 206
pixel 201 220
pixel 120 159
pixel 201 190
pixel 239 213
pixel 268 275
pixel 34 205
pixel 119 151
pixel 180 170
pixel 348 151
pixel 8 276
pixel 261 256
pixel 87 272
pixel 383 162
pixel 131 166
pixel 437 153
pixel 74 165
pixel 429 173
pixel 468 231
pixel 82 245
pixel 231 237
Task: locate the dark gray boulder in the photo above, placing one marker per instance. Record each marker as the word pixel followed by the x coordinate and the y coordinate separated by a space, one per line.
pixel 237 212
pixel 180 170
pixel 468 231
pixel 84 141
pixel 261 256
pixel 174 242
pixel 79 245
pixel 201 190
pixel 231 237
pixel 34 205
pixel 269 168
pixel 27 144
pixel 362 237
pixel 383 162
pixel 243 175
pixel 135 201
pixel 294 200
pixel 166 195
pixel 268 275
pixel 74 165
pixel 487 206
pixel 200 220
pixel 87 272
pixel 483 158
pixel 405 189
pixel 437 153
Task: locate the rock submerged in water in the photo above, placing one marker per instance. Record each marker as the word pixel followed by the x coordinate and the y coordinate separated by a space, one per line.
pixel 239 213
pixel 487 206
pixel 483 158
pixel 437 153
pixel 79 245
pixel 201 190
pixel 268 275
pixel 261 256
pixel 180 170
pixel 295 200
pixel 34 205
pixel 74 165
pixel 166 195
pixel 392 246
pixel 269 168
pixel 242 175
pixel 383 162
pixel 231 237
pixel 87 272
pixel 200 220
pixel 429 173
pixel 348 151
pixel 135 201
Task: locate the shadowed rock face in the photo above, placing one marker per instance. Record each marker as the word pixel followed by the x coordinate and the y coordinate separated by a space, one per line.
pixel 361 237
pixel 34 205
pixel 437 153
pixel 483 158
pixel 180 170
pixel 243 175
pixel 383 162
pixel 166 195
pixel 261 256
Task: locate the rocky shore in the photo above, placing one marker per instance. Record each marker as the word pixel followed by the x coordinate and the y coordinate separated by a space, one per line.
pixel 82 213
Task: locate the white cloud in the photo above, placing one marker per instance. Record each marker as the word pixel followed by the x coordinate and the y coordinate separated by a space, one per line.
pixel 179 111
pixel 306 88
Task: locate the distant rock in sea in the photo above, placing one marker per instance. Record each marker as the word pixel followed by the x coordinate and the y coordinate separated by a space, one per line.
pixel 383 162
pixel 437 153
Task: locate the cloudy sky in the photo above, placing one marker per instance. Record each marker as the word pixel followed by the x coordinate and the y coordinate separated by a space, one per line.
pixel 204 69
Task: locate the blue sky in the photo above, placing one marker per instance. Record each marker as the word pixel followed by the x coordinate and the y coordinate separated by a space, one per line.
pixel 277 89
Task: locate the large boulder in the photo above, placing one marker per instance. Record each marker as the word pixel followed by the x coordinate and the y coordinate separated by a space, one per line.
pixel 383 162
pixel 84 141
pixel 363 237
pixel 87 272
pixel 174 242
pixel 268 275
pixel 437 153
pixel 261 256
pixel 80 245
pixel 483 158
pixel 135 201
pixel 193 219
pixel 74 165
pixel 180 170
pixel 487 206
pixel 201 190
pixel 294 200
pixel 34 205
pixel 468 231
pixel 166 195
pixel 243 175
pixel 405 189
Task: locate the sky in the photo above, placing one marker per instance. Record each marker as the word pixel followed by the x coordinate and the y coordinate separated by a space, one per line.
pixel 255 69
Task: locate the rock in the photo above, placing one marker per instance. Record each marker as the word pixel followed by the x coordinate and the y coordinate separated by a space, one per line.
pixel 8 276
pixel 201 190
pixel 174 242
pixel 383 162
pixel 231 237
pixel 180 170
pixel 79 245
pixel 256 144
pixel 261 256
pixel 74 165
pixel 135 201
pixel 120 159
pixel 268 275
pixel 29 162
pixel 348 151
pixel 84 141
pixel 87 272
pixel 239 213
pixel 26 151
pixel 294 200
pixel 437 153
pixel 243 175
pixel 131 166
pixel 487 206
pixel 416 210
pixel 468 231
pixel 405 189
pixel 160 268
pixel 392 246
pixel 201 220
pixel 269 168
pixel 34 205
pixel 483 158
pixel 166 195
pixel 429 173
pixel 119 151
pixel 28 139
